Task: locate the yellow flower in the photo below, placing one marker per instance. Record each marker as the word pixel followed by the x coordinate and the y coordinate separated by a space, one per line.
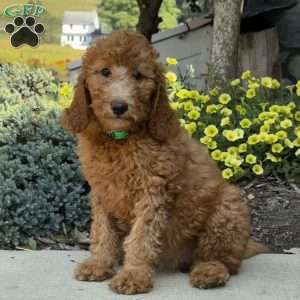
pixel 298 92
pixel 266 82
pixel 232 161
pixel 264 116
pixel 253 85
pixel 245 123
pixel 65 90
pixel 224 98
pixel 258 169
pixel 194 94
pixel 225 121
pixel 194 114
pixel 298 84
pixel 253 139
pixel 232 151
pixel 212 145
pixel 211 109
pixel 191 127
pixel 277 148
pixel 182 94
pixel 289 143
pixel 231 135
pixel 227 173
pixel 246 75
pixel 224 156
pixel 269 122
pixel 214 92
pixel 265 128
pixel 171 76
pixel 205 140
pixel 251 159
pixel 297 116
pixel 216 155
pixel 211 130
pixel 297 131
pixel 243 148
pixel 226 112
pixel 272 158
pixel 274 108
pixel 271 138
pixel 64 102
pixel 297 153
pixel 292 105
pixel 188 106
pixel 251 93
pixel 240 133
pixel 263 136
pixel 174 105
pixel 203 98
pixel 275 84
pixel 235 82
pixel 241 110
pixel 171 61
pixel 281 134
pixel 286 123
pixel 296 142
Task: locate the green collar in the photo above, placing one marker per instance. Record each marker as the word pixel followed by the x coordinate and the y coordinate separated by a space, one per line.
pixel 118 135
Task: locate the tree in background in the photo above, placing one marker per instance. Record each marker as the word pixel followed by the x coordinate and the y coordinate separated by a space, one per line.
pixel 226 31
pixel 117 14
pixel 124 14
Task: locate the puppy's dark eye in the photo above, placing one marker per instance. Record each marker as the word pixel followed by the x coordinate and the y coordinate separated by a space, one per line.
pixel 137 75
pixel 105 72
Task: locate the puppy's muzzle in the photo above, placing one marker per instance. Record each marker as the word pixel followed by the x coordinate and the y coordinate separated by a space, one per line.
pixel 119 107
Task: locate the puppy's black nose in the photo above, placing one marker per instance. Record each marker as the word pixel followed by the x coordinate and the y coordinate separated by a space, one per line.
pixel 119 107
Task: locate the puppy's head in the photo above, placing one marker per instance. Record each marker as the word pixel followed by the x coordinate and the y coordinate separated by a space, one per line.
pixel 121 86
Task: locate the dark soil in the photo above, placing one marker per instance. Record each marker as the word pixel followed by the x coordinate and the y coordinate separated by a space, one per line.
pixel 275 212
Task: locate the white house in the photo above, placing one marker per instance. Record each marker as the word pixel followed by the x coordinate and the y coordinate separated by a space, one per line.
pixel 78 28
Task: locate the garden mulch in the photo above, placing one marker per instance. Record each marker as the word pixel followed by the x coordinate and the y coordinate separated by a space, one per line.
pixel 275 212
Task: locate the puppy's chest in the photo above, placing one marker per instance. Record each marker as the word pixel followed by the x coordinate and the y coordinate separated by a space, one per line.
pixel 122 177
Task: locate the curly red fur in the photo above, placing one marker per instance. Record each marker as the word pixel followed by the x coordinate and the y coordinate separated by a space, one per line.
pixel 157 197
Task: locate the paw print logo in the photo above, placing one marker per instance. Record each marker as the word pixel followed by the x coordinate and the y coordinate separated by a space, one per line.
pixel 24 31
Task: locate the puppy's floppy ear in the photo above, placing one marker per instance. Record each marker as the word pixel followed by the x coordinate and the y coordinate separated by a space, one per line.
pixel 163 123
pixel 76 117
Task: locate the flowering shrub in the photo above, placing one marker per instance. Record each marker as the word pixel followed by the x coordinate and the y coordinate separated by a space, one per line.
pixel 250 128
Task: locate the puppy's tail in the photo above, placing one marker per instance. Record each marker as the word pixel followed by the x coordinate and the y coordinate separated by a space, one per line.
pixel 255 248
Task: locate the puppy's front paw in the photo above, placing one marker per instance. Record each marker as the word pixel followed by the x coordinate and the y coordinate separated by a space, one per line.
pixel 207 275
pixel 134 281
pixel 91 270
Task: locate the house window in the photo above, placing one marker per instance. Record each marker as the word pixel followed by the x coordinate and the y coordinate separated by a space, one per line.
pixel 83 26
pixel 84 38
pixel 72 38
pixel 71 25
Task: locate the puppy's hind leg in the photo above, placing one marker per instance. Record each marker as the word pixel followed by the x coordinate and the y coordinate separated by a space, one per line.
pixel 222 244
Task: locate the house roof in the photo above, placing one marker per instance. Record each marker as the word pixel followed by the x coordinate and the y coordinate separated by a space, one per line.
pixel 79 17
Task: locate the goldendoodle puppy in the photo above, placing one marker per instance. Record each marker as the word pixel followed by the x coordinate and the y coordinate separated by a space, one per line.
pixel 156 196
